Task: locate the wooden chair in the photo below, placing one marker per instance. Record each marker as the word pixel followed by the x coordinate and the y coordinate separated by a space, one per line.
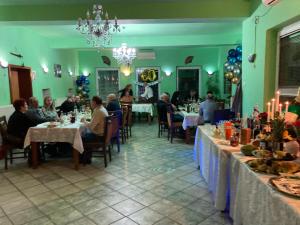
pixel 101 146
pixel 11 145
pixel 126 121
pixel 162 125
pixel 116 120
pixel 173 127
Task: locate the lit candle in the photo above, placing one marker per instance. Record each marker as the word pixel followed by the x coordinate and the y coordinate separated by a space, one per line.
pixel 280 109
pixel 269 106
pixel 272 112
pixel 277 101
pixel 286 106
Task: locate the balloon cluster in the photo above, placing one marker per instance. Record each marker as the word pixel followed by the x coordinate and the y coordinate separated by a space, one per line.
pixel 233 65
pixel 83 89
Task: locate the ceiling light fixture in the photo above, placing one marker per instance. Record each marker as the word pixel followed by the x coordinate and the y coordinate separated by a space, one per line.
pixel 124 55
pixel 98 31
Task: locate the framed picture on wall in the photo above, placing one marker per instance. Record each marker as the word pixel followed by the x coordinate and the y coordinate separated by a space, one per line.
pixel 150 75
pixel 57 70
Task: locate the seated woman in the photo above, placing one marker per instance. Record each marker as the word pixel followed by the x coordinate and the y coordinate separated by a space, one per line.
pixel 19 123
pixel 112 103
pixel 127 98
pixel 128 88
pixel 48 109
pixel 177 99
pixel 95 128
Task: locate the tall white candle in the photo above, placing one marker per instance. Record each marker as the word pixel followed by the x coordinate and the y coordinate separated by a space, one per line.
pixel 280 109
pixel 272 112
pixel 277 101
pixel 269 113
pixel 286 106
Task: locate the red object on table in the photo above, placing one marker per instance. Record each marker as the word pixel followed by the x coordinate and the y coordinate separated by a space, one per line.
pixel 228 130
pixel 245 136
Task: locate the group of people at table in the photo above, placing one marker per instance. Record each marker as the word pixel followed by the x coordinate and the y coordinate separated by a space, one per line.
pixel 30 115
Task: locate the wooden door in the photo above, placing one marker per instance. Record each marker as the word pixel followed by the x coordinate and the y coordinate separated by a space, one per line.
pixel 20 82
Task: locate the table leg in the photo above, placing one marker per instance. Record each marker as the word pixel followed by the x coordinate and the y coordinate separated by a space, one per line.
pixel 34 154
pixel 76 159
pixel 149 118
pixel 187 135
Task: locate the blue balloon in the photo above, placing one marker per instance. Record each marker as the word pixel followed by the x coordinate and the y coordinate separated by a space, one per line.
pixel 239 58
pixel 78 82
pixel 231 53
pixel 232 60
pixel 87 82
pixel 239 49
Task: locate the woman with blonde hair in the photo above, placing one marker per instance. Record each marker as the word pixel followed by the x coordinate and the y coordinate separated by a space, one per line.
pixel 49 110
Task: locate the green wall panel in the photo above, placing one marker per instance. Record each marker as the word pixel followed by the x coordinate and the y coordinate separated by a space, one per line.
pixel 36 53
pixel 259 78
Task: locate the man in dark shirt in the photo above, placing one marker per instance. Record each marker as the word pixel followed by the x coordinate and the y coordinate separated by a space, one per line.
pixel 19 123
pixel 34 113
pixel 68 105
pixel 112 103
pixel 164 106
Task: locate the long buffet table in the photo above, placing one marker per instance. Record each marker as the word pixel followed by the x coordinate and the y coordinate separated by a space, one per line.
pixel 246 194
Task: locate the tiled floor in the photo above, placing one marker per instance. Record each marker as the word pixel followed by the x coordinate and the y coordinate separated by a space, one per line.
pixel 150 182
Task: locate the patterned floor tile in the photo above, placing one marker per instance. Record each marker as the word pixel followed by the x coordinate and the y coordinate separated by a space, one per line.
pixel 146 217
pixel 105 216
pixel 128 207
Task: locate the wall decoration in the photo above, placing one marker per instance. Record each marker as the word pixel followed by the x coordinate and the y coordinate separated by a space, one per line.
pixel 57 70
pixel 106 60
pixel 151 76
pixel 188 59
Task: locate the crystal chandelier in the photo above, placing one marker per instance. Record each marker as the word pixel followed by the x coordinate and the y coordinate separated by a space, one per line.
pixel 124 55
pixel 98 31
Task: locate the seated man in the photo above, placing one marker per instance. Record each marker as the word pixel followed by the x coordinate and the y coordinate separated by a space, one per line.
pixel 68 105
pixel 78 104
pixel 34 113
pixel 96 126
pixel 164 106
pixel 177 99
pixel 19 123
pixel 147 96
pixel 192 96
pixel 207 108
pixel 112 103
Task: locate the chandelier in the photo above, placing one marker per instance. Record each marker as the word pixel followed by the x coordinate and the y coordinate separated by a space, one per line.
pixel 98 31
pixel 124 55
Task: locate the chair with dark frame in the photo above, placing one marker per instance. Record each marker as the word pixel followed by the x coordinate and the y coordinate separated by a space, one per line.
pixel 116 120
pixel 12 146
pixel 173 127
pixel 162 125
pixel 101 146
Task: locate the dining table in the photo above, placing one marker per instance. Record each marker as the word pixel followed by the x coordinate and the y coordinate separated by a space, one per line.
pixel 51 132
pixel 212 156
pixel 143 108
pixel 190 120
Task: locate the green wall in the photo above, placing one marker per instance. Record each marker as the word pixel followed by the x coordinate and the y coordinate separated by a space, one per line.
pixel 36 52
pixel 259 78
pixel 208 58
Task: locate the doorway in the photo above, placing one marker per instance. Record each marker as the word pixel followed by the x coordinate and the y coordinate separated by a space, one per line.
pixel 188 78
pixel 20 82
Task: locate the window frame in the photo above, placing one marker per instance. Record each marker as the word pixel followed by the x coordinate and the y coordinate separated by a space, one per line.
pixel 106 69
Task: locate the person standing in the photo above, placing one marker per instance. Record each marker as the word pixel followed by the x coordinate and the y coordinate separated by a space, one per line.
pixel 207 108
pixel 128 88
pixel 147 96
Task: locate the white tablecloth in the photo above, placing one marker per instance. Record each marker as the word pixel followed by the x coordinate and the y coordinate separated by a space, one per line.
pixel 147 108
pixel 254 202
pixel 190 119
pixel 213 159
pixel 63 133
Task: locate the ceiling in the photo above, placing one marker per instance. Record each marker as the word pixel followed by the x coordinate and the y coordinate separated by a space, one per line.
pixel 45 2
pixel 147 29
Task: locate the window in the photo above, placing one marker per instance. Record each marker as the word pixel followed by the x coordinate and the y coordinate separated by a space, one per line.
pixel 289 60
pixel 188 78
pixel 107 82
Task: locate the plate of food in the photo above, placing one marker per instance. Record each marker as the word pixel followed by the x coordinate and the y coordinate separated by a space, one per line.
pixel 285 156
pixel 52 124
pixel 289 185
pixel 270 166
